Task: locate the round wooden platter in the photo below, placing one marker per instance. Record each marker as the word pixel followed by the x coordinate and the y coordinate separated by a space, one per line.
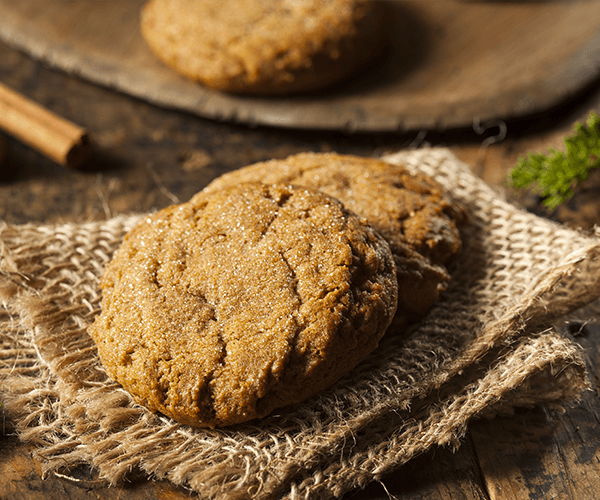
pixel 450 63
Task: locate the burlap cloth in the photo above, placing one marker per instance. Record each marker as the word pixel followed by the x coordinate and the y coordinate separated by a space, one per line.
pixel 489 344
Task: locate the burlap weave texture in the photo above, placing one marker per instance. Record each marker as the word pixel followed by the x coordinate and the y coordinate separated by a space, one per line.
pixel 488 344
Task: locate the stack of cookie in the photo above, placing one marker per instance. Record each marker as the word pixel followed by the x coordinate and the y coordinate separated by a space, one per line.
pixel 270 284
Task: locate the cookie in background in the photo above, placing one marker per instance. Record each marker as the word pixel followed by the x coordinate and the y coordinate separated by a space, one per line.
pixel 266 47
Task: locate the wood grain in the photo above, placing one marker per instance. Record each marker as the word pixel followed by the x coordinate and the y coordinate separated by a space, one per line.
pixel 545 452
pixel 21 479
pixel 438 475
pixel 450 63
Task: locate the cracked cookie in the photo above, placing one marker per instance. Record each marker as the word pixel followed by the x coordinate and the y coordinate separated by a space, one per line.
pixel 243 300
pixel 264 47
pixel 409 211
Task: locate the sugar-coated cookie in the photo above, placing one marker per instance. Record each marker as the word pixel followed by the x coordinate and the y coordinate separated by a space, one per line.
pixel 243 300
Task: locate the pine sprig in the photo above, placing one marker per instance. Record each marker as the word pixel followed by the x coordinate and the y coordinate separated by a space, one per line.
pixel 554 175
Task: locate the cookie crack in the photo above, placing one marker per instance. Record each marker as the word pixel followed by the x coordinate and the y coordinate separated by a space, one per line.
pixel 281 196
pixel 294 277
pixel 212 377
pixel 249 28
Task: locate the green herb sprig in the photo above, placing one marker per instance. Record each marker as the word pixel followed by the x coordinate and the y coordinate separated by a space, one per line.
pixel 554 175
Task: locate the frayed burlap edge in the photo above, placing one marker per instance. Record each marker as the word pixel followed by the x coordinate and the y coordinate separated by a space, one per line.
pixel 488 345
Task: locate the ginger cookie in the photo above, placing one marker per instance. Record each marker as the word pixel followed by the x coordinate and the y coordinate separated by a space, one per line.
pixel 409 211
pixel 264 47
pixel 241 301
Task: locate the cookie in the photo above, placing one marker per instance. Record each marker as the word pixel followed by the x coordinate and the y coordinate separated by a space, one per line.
pixel 241 301
pixel 410 211
pixel 264 47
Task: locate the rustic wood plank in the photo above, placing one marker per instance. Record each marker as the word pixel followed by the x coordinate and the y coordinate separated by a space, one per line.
pixel 546 452
pixel 450 64
pixel 21 479
pixel 519 458
pixel 441 474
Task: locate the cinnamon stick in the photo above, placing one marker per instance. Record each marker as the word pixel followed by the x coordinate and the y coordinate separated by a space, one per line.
pixel 52 135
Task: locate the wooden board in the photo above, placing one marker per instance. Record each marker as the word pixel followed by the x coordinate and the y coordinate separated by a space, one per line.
pixel 450 63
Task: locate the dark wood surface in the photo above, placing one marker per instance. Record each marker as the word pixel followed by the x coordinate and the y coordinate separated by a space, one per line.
pixel 146 158
pixel 447 63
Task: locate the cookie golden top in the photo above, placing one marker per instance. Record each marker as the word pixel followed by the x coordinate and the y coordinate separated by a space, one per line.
pixel 241 301
pixel 263 46
pixel 409 211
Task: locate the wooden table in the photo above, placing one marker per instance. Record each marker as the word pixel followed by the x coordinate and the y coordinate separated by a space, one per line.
pixel 147 158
